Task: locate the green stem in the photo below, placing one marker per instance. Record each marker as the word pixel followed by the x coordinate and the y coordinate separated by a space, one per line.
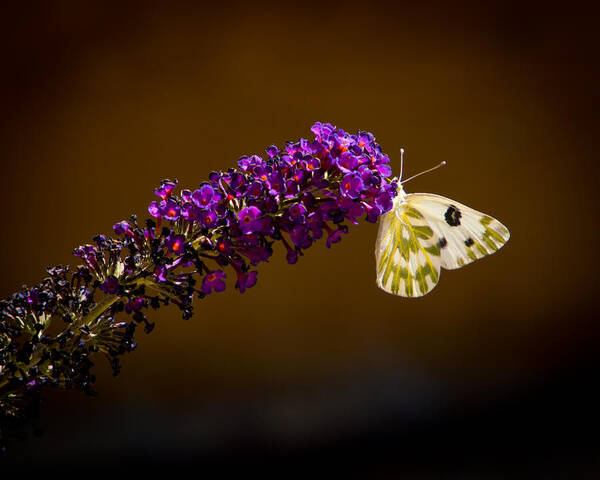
pixel 98 310
pixel 153 286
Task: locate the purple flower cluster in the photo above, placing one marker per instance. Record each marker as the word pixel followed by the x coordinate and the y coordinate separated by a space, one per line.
pixel 297 195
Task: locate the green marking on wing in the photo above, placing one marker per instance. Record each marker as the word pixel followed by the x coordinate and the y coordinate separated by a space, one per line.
pixel 387 259
pixel 422 231
pixel 489 242
pixel 429 270
pixel 417 232
pixel 407 248
pixel 481 248
pixel 407 245
pixel 495 235
pixel 409 289
pixel 412 212
pixel 423 271
pixel 485 220
pixel 490 236
pixel 398 274
pixel 386 252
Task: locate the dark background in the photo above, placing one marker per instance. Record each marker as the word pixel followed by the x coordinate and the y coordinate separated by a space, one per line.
pixel 315 369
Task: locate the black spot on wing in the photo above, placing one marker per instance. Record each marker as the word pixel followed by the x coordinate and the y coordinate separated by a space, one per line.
pixel 452 216
pixel 469 241
pixel 442 242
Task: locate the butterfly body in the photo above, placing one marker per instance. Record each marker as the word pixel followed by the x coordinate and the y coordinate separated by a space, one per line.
pixel 424 233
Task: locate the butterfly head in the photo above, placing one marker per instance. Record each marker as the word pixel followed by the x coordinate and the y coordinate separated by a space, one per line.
pixel 400 196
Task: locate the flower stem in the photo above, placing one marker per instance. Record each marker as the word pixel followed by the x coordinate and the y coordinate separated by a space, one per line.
pixel 98 310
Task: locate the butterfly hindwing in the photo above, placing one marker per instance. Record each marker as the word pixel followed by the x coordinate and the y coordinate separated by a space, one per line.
pixel 463 234
pixel 407 253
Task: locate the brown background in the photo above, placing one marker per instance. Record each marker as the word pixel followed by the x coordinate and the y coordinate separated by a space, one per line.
pixel 492 371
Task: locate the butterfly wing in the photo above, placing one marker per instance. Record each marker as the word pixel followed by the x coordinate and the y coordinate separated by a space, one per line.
pixel 463 234
pixel 406 252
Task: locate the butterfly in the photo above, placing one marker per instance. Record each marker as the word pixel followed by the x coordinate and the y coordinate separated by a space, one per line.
pixel 424 233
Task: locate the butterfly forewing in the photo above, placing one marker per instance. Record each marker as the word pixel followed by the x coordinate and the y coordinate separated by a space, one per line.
pixel 463 234
pixel 407 253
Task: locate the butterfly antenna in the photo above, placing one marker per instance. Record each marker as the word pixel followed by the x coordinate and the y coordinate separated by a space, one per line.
pixel 401 162
pixel 439 165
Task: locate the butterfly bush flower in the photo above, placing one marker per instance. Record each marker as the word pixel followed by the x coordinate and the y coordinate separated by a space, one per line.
pixel 292 197
pixel 213 281
pixel 175 243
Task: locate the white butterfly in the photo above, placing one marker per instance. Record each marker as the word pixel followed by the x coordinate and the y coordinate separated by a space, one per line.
pixel 424 232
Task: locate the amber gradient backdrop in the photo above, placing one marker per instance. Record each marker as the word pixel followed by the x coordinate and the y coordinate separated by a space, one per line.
pixel 493 370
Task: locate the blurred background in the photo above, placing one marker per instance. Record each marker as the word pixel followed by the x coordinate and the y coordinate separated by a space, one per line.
pixel 491 375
